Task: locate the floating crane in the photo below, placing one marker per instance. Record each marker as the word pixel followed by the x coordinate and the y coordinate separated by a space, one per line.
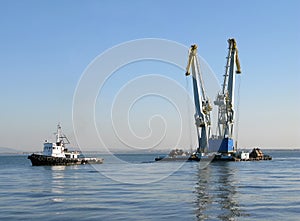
pixel 219 146
pixel 222 142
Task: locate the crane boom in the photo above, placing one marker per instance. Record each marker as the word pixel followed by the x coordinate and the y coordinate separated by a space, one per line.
pixel 202 103
pixel 225 99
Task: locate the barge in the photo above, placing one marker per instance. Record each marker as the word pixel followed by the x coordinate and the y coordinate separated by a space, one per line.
pixel 255 155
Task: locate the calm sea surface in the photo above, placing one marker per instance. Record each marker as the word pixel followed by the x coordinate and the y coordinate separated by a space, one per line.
pixel 132 188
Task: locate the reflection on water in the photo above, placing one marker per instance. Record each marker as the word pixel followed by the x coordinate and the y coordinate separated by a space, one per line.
pixel 266 190
pixel 216 193
pixel 204 199
pixel 57 183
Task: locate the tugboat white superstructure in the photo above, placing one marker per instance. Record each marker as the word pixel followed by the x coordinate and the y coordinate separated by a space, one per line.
pixel 57 153
pixel 58 149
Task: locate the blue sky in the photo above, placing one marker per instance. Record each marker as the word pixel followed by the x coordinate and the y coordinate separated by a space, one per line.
pixel 46 45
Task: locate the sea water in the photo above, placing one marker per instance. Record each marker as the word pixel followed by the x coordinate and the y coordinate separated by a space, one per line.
pixel 133 187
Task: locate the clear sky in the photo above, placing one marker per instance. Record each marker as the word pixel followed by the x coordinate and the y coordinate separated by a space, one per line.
pixel 46 45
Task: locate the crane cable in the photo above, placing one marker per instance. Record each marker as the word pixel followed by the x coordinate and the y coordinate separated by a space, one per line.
pixel 239 79
pixel 187 87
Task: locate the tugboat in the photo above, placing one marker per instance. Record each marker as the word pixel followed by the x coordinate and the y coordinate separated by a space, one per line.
pixel 57 154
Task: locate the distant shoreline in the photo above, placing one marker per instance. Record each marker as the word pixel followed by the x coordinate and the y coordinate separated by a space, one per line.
pixel 137 152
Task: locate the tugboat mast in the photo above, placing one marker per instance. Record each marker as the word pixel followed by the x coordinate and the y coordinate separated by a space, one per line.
pixel 60 137
pixel 58 134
